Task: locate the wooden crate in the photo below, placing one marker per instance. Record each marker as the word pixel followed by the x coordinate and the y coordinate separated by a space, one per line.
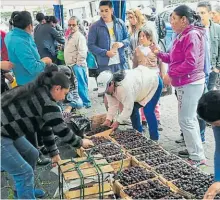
pixel 104 133
pixel 118 186
pixel 69 173
pixel 117 164
pixel 123 195
pixel 88 191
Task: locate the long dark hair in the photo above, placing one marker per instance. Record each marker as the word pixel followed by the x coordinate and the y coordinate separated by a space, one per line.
pixel 190 14
pixel 47 79
pixel 21 19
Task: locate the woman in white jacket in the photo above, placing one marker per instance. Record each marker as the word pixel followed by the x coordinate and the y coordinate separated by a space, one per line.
pixel 136 88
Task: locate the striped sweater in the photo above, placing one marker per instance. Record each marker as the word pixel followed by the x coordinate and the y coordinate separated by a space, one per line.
pixel 30 115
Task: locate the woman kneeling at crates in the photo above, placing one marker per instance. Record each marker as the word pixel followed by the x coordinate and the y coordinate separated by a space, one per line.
pixel 26 110
pixel 136 88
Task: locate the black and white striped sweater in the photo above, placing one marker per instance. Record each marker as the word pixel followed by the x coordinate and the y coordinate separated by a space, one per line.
pixel 30 115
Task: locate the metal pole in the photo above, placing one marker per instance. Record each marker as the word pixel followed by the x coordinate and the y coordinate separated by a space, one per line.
pixel 120 9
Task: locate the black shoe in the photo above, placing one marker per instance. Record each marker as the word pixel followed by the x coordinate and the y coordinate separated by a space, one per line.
pixel 43 150
pixel 42 160
pixel 95 89
pixel 144 123
pixel 183 154
pixel 159 126
pixel 180 141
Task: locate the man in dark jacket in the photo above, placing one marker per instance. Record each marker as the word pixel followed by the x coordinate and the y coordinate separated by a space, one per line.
pixel 107 39
pixel 45 37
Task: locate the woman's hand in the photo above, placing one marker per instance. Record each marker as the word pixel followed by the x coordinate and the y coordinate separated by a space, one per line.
pixel 55 160
pixel 167 80
pixel 6 65
pixel 46 60
pixel 115 125
pixel 154 48
pixel 9 77
pixel 87 143
pixel 213 190
pixel 107 122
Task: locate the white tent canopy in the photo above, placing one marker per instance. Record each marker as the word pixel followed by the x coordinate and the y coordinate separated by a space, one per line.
pixel 36 2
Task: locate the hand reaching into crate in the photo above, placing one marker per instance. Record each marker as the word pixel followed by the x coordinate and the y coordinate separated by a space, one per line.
pixel 87 143
pixel 213 190
pixel 55 159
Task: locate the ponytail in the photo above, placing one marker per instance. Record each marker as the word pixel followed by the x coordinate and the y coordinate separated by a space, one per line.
pixel 47 79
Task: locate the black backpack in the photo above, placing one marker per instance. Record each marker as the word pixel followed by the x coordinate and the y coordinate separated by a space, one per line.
pixel 161 27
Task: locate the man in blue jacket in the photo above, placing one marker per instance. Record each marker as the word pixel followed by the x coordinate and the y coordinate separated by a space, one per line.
pixel 107 39
pixel 209 110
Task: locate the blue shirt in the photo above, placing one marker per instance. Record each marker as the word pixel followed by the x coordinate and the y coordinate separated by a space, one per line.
pixel 23 53
pixel 216 130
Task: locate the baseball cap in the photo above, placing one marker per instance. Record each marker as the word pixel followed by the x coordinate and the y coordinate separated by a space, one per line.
pixel 147 11
pixel 103 81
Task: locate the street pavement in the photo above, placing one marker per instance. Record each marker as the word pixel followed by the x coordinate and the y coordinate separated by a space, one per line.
pixel 171 131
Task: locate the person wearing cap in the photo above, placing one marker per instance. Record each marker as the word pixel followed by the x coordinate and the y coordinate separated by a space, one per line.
pixel 135 88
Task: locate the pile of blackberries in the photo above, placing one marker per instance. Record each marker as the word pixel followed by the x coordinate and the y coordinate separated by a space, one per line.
pixel 97 130
pixel 114 158
pixel 151 156
pixel 144 150
pixel 134 175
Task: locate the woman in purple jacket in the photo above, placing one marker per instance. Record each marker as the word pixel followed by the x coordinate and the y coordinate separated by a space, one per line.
pixel 186 74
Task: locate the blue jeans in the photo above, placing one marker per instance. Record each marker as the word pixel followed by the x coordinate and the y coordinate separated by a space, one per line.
pixel 216 130
pixel 149 113
pixel 80 73
pixel 19 159
pixel 202 123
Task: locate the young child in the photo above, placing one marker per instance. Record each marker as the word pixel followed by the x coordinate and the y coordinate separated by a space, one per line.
pixel 144 56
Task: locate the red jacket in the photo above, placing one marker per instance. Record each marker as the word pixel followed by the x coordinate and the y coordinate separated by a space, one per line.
pixel 186 58
pixel 4 52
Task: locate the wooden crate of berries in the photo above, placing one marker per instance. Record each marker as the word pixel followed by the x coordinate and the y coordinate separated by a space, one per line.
pixel 99 131
pixel 69 173
pixel 150 189
pixel 189 181
pixel 113 153
pixel 132 175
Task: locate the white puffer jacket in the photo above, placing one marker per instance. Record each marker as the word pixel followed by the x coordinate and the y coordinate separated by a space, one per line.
pixel 139 85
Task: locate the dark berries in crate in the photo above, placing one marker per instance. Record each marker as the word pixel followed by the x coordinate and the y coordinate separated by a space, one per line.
pixel 134 175
pixel 197 184
pixel 173 196
pixel 175 170
pixel 151 189
pixel 144 149
pixel 150 156
pixel 97 130
pixel 138 143
pixel 161 160
pixel 114 158
pixel 105 149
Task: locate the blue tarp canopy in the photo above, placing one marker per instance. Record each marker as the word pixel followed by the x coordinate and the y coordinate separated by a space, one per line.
pixel 119 8
pixel 58 12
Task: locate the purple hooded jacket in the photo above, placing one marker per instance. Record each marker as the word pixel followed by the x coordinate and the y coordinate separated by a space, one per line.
pixel 186 58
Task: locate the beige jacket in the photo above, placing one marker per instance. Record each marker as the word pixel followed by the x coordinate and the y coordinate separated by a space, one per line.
pixel 75 50
pixel 139 85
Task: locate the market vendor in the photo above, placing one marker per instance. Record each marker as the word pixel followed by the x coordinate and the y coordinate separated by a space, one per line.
pixel 209 110
pixel 28 109
pixel 136 88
